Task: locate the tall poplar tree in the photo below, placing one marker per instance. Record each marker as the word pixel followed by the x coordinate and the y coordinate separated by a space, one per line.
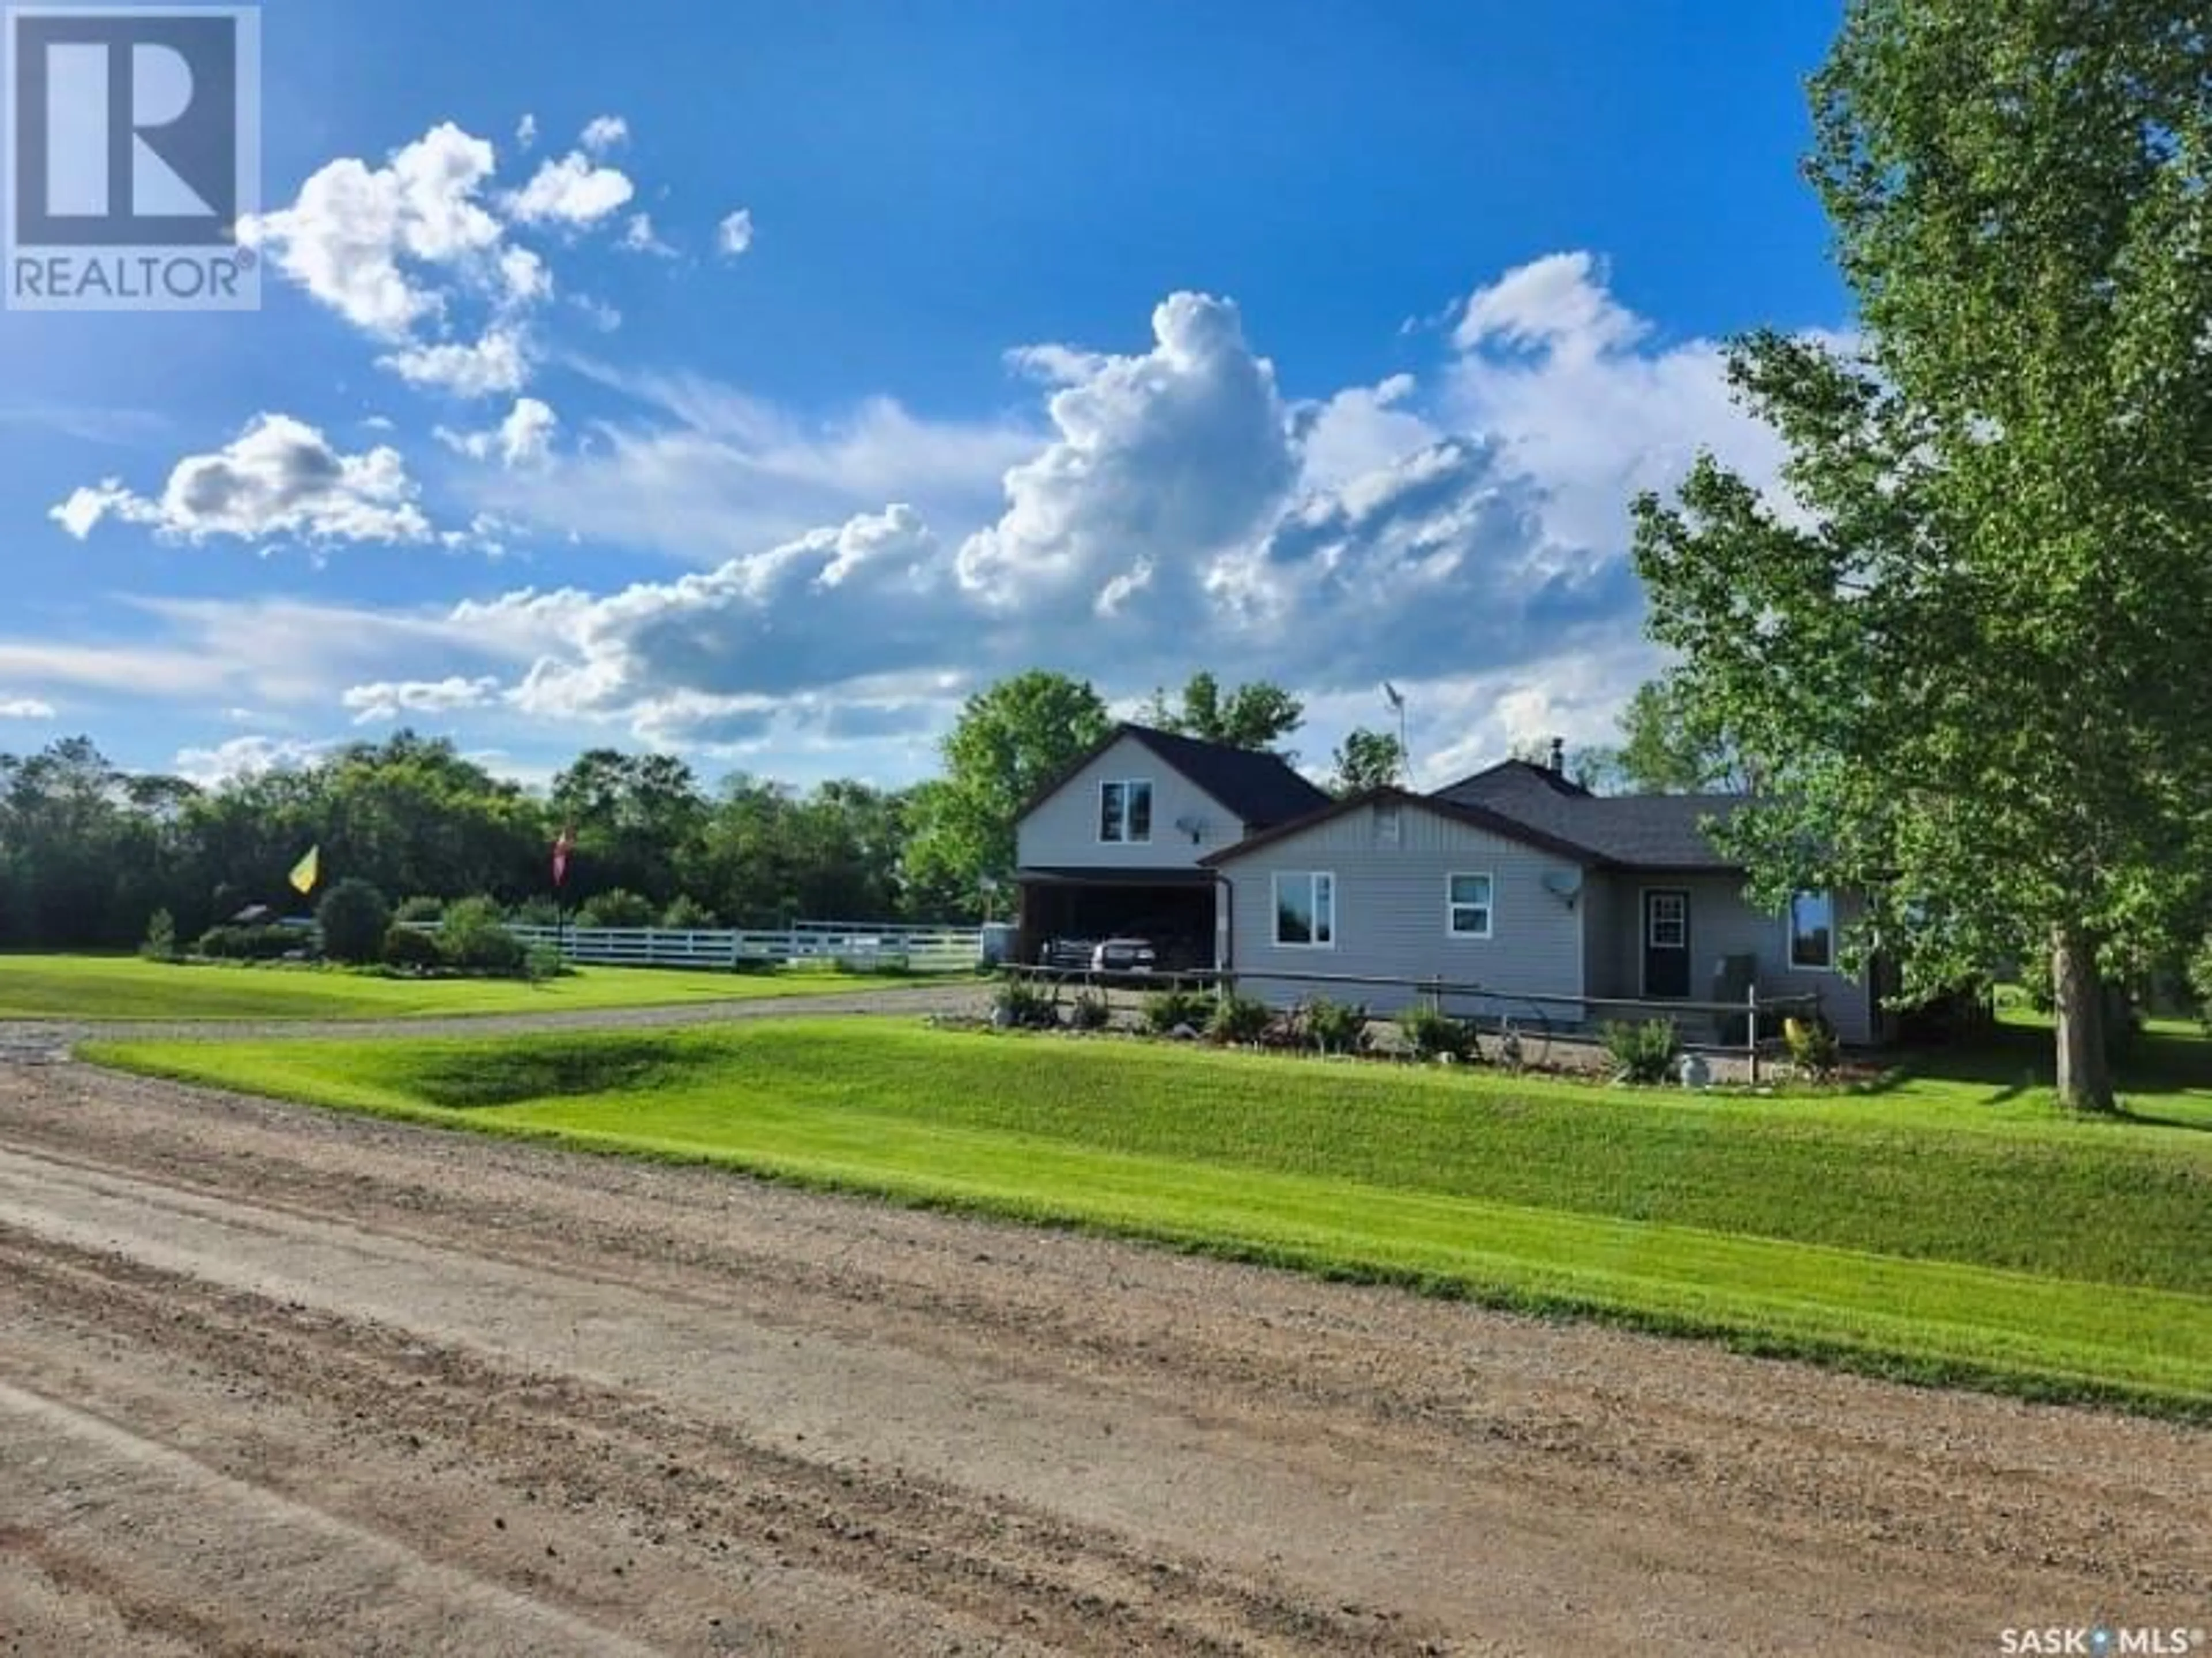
pixel 1971 659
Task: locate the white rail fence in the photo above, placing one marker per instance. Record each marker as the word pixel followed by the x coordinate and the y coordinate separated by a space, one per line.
pixel 850 944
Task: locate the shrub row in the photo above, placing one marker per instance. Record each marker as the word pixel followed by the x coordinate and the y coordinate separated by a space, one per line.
pixel 357 927
pixel 1643 1051
pixel 250 944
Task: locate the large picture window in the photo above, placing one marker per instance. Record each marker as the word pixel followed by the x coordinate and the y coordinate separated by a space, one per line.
pixel 1125 811
pixel 1813 931
pixel 1467 906
pixel 1305 910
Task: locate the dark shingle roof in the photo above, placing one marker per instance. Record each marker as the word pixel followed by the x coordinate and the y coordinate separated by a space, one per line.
pixel 1261 789
pixel 1481 816
pixel 1650 831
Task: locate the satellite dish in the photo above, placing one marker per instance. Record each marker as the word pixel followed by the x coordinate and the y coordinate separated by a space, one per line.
pixel 1193 826
pixel 1564 884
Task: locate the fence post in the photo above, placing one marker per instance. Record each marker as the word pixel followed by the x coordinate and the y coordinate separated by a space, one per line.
pixel 1751 1029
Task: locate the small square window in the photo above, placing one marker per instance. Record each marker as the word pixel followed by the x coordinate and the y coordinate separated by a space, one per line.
pixel 1305 910
pixel 1468 906
pixel 1125 811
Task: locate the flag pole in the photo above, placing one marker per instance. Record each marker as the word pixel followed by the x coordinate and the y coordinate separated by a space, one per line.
pixel 564 845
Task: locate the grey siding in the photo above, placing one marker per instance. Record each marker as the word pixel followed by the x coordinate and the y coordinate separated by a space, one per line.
pixel 1390 915
pixel 1721 924
pixel 1602 918
pixel 1063 830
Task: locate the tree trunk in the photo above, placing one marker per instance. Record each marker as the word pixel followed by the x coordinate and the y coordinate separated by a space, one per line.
pixel 2084 1072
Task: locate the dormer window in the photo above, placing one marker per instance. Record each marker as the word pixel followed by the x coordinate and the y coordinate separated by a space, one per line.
pixel 1125 811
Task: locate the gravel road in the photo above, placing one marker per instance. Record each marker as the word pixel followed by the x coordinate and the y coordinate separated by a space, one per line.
pixel 274 1379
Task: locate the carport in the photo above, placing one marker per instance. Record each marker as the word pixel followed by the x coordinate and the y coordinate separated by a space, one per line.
pixel 1172 907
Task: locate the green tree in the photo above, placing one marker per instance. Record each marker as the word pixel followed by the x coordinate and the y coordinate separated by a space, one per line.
pixel 637 819
pixel 412 815
pixel 1009 743
pixel 1971 661
pixel 1254 716
pixel 475 938
pixel 1366 759
pixel 86 851
pixel 687 914
pixel 1664 749
pixel 619 907
pixel 353 917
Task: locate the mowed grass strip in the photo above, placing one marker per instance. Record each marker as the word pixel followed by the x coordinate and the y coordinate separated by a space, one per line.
pixel 1915 1234
pixel 106 987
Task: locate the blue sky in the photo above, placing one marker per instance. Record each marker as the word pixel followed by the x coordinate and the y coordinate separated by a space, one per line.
pixel 755 382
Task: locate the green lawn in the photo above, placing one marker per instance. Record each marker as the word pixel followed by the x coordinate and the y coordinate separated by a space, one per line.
pixel 1953 1230
pixel 126 987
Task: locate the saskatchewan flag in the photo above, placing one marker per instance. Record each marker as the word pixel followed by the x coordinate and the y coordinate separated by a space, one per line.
pixel 309 870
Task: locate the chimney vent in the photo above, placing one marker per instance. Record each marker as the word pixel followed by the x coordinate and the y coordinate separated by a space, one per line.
pixel 1559 757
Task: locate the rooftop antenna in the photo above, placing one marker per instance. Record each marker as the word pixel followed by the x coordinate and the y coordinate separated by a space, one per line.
pixel 1404 752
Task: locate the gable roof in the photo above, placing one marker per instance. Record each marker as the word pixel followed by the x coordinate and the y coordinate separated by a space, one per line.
pixel 1260 789
pixel 1471 813
pixel 1647 831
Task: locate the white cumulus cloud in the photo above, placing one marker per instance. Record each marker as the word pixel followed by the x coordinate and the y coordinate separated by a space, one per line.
pixel 604 132
pixel 496 364
pixel 1460 532
pixel 425 254
pixel 389 700
pixel 525 438
pixel 869 596
pixel 1161 460
pixel 246 757
pixel 1559 303
pixel 280 478
pixel 1566 381
pixel 25 707
pixel 639 236
pixel 573 191
pixel 375 243
pixel 734 234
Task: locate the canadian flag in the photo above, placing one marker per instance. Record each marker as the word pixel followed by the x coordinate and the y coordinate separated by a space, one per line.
pixel 563 844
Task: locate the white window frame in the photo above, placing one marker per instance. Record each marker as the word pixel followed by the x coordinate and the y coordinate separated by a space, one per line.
pixel 1125 838
pixel 1489 905
pixel 1312 877
pixel 1789 931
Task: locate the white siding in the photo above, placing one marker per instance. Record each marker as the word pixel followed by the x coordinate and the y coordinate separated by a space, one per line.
pixel 1390 915
pixel 1063 830
pixel 1722 924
